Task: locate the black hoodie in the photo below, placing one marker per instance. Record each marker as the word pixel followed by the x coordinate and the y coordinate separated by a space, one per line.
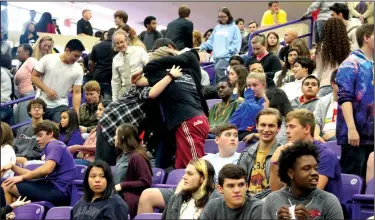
pixel 114 208
pixel 182 99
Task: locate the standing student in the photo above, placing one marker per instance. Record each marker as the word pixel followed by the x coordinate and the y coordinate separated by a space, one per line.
pixel 100 200
pixel 55 74
pixel 45 24
pixel 51 181
pixel 133 169
pixel 225 41
pixel 121 18
pixel 69 128
pixel 180 31
pixel 149 36
pixel 84 27
pixel 235 203
pixel 355 116
pixel 8 155
pixel 301 198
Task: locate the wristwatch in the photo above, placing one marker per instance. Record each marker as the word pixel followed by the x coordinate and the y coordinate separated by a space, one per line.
pixel 171 75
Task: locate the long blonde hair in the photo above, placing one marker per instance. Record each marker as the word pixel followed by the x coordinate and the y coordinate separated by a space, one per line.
pixel 38 54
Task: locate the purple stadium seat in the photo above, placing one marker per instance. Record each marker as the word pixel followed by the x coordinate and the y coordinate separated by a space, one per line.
pixel 32 166
pixel 29 211
pixel 212 102
pixel 81 170
pixel 173 179
pixel 210 69
pixel 351 184
pixel 211 147
pixel 61 213
pixel 336 148
pixel 363 205
pixel 155 216
pixel 77 191
pixel 203 64
pixel 158 175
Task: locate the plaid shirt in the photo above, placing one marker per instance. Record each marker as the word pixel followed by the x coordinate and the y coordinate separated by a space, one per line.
pixel 127 109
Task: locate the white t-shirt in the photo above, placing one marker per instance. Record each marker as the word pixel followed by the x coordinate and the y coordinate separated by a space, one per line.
pixel 189 210
pixel 330 120
pixel 58 76
pixel 7 156
pixel 218 162
pixel 293 89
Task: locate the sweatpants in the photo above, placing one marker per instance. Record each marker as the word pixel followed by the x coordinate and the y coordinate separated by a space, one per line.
pixel 190 138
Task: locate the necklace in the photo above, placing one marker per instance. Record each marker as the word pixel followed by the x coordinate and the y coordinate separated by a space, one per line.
pixel 223 111
pixel 305 205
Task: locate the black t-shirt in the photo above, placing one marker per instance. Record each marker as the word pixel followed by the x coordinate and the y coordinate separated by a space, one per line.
pixel 102 55
pixel 180 31
pixel 181 100
pixel 84 27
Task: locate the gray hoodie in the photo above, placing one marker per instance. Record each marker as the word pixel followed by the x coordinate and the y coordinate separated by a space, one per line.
pixel 218 209
pixel 320 204
pixel 309 105
pixel 25 144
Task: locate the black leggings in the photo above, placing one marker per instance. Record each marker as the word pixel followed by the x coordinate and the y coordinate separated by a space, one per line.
pixel 104 150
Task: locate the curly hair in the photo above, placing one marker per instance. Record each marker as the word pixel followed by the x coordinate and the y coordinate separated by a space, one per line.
pixel 289 156
pixel 335 47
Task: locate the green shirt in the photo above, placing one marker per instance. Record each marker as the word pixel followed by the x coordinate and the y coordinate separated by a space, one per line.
pixel 221 112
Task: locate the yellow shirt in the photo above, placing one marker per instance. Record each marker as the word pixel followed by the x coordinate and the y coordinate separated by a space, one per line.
pixel 258 179
pixel 268 18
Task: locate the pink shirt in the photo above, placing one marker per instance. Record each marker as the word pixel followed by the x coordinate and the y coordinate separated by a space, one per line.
pixel 23 76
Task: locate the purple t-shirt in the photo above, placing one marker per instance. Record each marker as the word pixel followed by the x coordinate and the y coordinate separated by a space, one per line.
pixel 65 170
pixel 74 139
pixel 329 166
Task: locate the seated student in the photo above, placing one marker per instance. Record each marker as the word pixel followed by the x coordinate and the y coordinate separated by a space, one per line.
pixel 256 67
pixel 237 77
pixel 235 204
pixel 133 169
pixel 244 116
pixel 25 144
pixel 234 61
pixel 100 200
pixel 308 100
pixel 227 142
pixel 50 182
pixel 301 198
pixel 69 129
pixel 325 114
pixel 222 111
pixel 198 189
pixel 87 113
pixel 86 152
pixel 303 67
pixel 286 74
pixel 300 125
pixel 8 156
pixel 256 159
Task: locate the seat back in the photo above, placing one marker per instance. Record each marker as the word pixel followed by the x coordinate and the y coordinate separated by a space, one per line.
pixel 210 69
pixel 212 102
pixel 370 187
pixel 61 213
pixel 210 146
pixel 241 146
pixel 158 175
pixel 32 166
pixel 175 176
pixel 351 184
pixel 81 170
pixel 29 211
pixel 336 148
pixel 155 216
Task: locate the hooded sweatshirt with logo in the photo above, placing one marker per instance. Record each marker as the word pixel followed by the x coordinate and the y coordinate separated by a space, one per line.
pixel 25 144
pixel 320 204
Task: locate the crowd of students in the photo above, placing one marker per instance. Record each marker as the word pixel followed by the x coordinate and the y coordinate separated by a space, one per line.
pixel 143 103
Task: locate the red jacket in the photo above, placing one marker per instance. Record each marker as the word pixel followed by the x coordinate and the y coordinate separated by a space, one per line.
pixel 51 28
pixel 138 178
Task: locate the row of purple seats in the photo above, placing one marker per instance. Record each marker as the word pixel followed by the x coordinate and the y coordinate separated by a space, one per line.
pixel 335 147
pixel 363 204
pixel 210 69
pixel 156 216
pixel 212 102
pixel 211 147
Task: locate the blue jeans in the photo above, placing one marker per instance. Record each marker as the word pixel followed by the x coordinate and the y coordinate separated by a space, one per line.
pixel 319 31
pixel 6 115
pixel 81 162
pixel 220 67
pixel 20 113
